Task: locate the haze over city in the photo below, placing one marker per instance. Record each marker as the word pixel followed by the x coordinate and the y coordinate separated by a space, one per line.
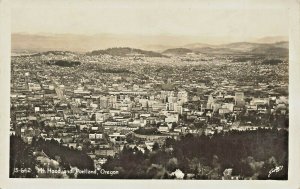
pixel 154 26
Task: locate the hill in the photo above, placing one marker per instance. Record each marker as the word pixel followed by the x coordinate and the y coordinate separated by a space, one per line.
pixel 177 51
pixel 198 45
pixel 278 48
pixel 242 46
pixel 55 53
pixel 209 50
pixel 271 39
pixel 271 51
pixel 282 44
pixel 125 51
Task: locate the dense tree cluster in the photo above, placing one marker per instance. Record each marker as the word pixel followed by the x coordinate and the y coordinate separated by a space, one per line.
pixel 22 156
pixel 67 156
pixel 244 59
pixel 251 154
pixel 147 131
pixel 124 51
pixel 272 61
pixel 64 63
pixel 21 160
pixel 113 70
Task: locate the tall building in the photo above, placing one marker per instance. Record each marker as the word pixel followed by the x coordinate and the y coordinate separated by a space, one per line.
pixel 239 98
pixel 172 99
pixel 182 96
pixel 103 102
pixel 210 102
pixel 112 101
pixel 101 117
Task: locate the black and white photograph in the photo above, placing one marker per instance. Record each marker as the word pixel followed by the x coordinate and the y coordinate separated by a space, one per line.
pixel 145 90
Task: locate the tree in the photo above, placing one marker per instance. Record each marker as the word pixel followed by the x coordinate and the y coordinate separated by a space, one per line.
pixel 174 124
pixel 172 164
pixel 169 142
pixel 155 146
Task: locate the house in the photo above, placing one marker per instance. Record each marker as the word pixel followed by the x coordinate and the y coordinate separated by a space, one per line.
pixel 178 174
pixel 105 152
pixel 178 129
pixel 163 128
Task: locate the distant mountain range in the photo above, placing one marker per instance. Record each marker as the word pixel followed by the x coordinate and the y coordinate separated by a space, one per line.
pixel 278 48
pixel 269 39
pixel 159 46
pixel 242 48
pixel 29 43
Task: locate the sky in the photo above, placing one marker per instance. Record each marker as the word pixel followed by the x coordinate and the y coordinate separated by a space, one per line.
pixel 205 21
